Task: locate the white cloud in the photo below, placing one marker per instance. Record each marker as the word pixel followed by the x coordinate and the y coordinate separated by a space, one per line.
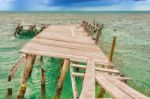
pixel 122 6
pixel 40 5
pixel 5 5
pixel 142 6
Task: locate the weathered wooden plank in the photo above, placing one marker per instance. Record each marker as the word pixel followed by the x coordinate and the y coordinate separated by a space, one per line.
pixel 65 38
pixel 122 78
pixel 51 50
pixel 65 30
pixel 64 44
pixel 107 70
pixel 103 80
pixel 128 90
pixel 61 55
pixel 88 89
pixel 105 62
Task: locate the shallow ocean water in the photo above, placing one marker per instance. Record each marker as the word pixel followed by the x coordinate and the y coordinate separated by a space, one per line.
pixel 132 53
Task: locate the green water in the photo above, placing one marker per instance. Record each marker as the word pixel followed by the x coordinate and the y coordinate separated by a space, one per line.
pixel 132 53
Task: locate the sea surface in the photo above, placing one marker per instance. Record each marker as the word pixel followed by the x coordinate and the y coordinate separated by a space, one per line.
pixel 132 53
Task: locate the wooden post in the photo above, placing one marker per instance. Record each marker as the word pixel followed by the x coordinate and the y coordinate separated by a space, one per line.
pixel 41 60
pixel 97 36
pixel 94 22
pixel 86 27
pixel 30 59
pixel 62 78
pixel 99 30
pixel 17 29
pixel 43 91
pixel 60 68
pixel 9 90
pixel 82 24
pixel 112 49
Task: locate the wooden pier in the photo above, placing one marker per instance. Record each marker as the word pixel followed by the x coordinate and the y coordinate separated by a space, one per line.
pixel 29 29
pixel 76 44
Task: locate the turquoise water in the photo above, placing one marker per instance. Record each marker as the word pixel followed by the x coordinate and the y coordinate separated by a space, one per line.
pixel 132 53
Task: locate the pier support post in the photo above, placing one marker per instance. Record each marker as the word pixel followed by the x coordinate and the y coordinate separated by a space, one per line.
pixel 43 84
pixel 30 59
pixel 102 93
pixel 43 91
pixel 9 90
pixel 97 36
pixel 62 78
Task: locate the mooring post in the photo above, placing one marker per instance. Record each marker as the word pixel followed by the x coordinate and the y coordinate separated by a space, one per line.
pixel 112 49
pixel 30 59
pixel 43 91
pixel 9 90
pixel 62 78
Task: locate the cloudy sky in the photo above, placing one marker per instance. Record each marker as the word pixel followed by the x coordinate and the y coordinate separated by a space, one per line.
pixel 67 5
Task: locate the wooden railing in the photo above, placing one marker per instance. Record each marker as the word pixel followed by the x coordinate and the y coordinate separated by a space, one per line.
pixel 92 29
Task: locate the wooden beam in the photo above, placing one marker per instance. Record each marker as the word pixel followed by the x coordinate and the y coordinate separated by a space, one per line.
pixel 78 66
pixel 11 75
pixel 78 74
pixel 74 86
pixel 62 78
pixel 15 67
pixel 88 89
pixel 122 78
pixel 107 70
pixel 30 59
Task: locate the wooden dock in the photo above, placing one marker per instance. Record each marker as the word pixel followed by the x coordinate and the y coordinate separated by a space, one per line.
pixel 76 44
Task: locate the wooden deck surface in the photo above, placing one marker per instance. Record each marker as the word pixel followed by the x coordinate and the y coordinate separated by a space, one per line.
pixel 71 42
pixel 116 88
pixel 67 42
